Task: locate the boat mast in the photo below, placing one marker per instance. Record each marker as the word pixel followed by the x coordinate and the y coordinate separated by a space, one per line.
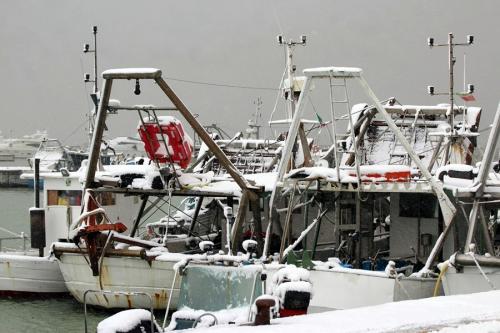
pixel 292 102
pixel 289 92
pixel 94 95
pixel 451 92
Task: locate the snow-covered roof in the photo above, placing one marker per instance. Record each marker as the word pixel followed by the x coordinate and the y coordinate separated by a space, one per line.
pixel 335 72
pixel 132 73
pixel 424 109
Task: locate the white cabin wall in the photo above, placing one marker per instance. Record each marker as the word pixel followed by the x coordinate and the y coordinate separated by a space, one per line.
pixel 404 231
pixel 58 218
pixel 125 210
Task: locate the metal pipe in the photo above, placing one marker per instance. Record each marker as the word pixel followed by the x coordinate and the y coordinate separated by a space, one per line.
pixel 139 215
pixel 486 234
pixel 467 260
pixel 194 218
pixel 58 251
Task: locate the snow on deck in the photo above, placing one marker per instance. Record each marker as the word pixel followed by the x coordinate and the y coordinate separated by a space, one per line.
pixel 410 316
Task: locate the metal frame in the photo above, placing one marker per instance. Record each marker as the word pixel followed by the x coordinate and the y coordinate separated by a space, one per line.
pixel 154 74
pixel 484 171
pixel 447 207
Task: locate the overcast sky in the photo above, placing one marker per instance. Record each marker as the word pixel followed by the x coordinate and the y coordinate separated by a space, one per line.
pixel 230 42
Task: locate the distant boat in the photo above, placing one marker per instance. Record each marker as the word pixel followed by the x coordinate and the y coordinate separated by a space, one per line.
pixel 21 148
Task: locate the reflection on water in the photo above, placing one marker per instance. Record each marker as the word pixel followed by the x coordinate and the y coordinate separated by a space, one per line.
pixel 47 315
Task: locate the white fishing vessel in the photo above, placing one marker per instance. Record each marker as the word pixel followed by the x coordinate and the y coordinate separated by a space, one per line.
pixel 131 264
pixel 382 213
pixel 21 148
pixel 377 193
pixel 475 267
pixel 36 270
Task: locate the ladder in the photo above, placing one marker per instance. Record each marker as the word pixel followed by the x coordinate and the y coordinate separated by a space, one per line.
pixel 339 88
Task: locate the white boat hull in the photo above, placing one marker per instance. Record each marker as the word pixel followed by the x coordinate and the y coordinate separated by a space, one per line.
pixel 332 290
pixel 121 274
pixel 20 274
pixel 470 280
pixel 345 290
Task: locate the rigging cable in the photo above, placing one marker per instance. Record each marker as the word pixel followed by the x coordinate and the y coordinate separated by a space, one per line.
pixel 215 84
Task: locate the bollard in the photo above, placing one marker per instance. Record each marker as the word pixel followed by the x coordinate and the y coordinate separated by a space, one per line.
pixel 263 316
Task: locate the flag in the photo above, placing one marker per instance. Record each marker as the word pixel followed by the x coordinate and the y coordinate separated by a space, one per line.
pixel 319 118
pixel 467 97
pixel 321 122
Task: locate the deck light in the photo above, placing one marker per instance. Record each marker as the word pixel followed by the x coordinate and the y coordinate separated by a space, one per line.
pixel 86 48
pixel 470 88
pixel 430 90
pixel 280 39
pixel 430 41
pixel 137 90
pixel 470 39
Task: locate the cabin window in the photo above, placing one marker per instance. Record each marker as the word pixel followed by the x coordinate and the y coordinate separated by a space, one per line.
pixel 64 198
pixel 107 199
pixel 417 205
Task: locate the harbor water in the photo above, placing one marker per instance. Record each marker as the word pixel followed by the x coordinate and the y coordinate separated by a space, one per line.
pixel 31 314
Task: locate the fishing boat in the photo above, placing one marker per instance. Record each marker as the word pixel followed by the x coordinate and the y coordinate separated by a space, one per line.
pixel 34 270
pixel 21 148
pixel 474 267
pixel 377 194
pixel 127 263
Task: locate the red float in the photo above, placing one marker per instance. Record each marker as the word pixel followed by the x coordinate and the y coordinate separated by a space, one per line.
pixel 180 145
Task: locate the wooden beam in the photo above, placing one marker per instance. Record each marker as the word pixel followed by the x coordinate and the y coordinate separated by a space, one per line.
pixel 95 146
pixel 240 220
pixel 205 137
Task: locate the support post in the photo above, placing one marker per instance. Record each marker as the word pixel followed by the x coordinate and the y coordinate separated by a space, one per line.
pixel 255 207
pixel 37 183
pixel 195 216
pixel 305 147
pixel 137 220
pixel 486 234
pixel 240 219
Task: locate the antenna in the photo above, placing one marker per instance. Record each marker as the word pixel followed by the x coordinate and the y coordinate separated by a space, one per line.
pixel 465 95
pixel 289 93
pixel 87 78
pixel 451 63
pixel 87 49
pixel 253 124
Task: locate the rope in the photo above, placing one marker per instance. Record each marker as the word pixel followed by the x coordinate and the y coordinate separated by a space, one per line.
pixel 481 270
pixel 402 288
pixel 438 281
pixel 101 259
pixel 276 100
pixel 170 297
pixel 170 189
